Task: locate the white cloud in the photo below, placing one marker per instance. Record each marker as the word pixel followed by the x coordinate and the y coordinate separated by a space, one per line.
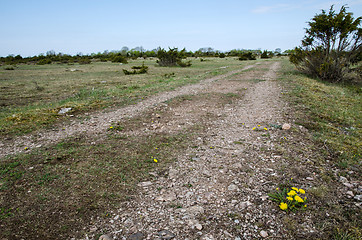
pixel 262 9
pixel 274 8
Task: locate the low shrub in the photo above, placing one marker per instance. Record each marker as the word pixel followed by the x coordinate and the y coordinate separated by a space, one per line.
pixel 44 61
pixel 141 70
pixel 84 61
pixel 266 54
pixel 172 58
pixel 247 56
pixel 119 59
pixel 184 64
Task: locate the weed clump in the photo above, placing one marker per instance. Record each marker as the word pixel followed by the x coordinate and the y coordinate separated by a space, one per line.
pixel 137 70
pixel 9 68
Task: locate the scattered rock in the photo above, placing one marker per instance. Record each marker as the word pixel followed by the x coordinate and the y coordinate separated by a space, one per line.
pixel 264 234
pixel 172 173
pixel 165 234
pixel 350 193
pixel 144 184
pixel 198 226
pixel 136 236
pixel 245 204
pixel 208 237
pixel 343 179
pixel 349 185
pixel 195 210
pixel 263 198
pixel 195 159
pixel 64 110
pixel 167 197
pixel 233 187
pixel 286 126
pixel 309 178
pixel 358 197
pixel 105 237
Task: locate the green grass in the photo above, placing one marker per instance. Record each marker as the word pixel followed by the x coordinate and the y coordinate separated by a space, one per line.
pixel 32 95
pixel 333 113
pixel 69 183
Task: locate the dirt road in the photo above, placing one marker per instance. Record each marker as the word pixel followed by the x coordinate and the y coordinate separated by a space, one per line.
pixel 219 190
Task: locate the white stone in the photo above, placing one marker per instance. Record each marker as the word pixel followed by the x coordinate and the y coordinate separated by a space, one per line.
pixel 144 184
pixel 64 110
pixel 233 187
pixel 343 179
pixel 264 234
pixel 286 126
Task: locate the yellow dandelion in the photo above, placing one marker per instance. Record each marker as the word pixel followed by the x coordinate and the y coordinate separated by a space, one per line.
pixel 111 127
pixel 283 206
pixel 258 125
pixel 295 189
pixel 292 193
pixel 25 148
pixel 298 199
pixel 301 191
pixel 305 205
pixel 265 129
pixel 277 189
pixel 290 198
pixel 155 160
pixel 254 128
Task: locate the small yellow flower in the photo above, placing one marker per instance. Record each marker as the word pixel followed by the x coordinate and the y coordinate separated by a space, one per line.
pixel 305 205
pixel 25 148
pixel 283 206
pixel 258 125
pixel 254 128
pixel 155 160
pixel 265 129
pixel 277 189
pixel 298 199
pixel 290 198
pixel 111 127
pixel 301 191
pixel 295 189
pixel 292 193
pixel 156 148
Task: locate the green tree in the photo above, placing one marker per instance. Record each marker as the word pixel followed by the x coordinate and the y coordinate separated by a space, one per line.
pixel 331 44
pixel 172 57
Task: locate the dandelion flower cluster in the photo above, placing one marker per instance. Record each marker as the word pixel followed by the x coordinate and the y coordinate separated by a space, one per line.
pixel 289 199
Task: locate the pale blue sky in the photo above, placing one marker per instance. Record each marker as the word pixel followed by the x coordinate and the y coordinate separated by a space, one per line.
pixel 31 27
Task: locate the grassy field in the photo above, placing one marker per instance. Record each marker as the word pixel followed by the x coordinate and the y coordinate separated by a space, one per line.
pixel 333 112
pixel 32 95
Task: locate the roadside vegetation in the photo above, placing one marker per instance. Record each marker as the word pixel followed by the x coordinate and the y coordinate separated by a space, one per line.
pixel 331 112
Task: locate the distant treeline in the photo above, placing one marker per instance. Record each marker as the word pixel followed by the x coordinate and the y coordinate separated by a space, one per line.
pixel 121 56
